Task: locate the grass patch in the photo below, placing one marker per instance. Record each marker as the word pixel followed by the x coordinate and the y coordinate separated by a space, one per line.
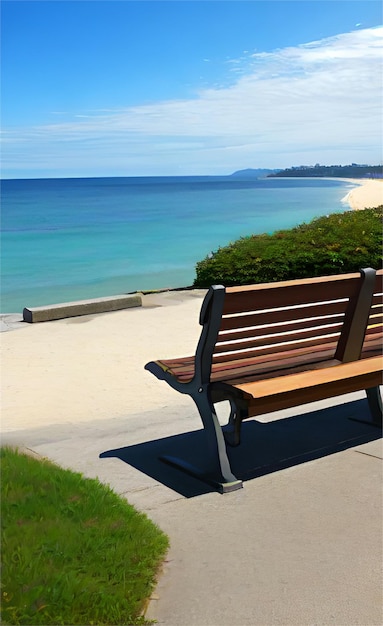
pixel 73 551
pixel 336 244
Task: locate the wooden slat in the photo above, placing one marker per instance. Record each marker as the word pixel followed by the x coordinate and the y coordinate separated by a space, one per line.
pixel 288 371
pixel 376 317
pixel 374 329
pixel 372 348
pixel 272 370
pixel 177 361
pixel 318 280
pixel 286 391
pixel 373 335
pixel 377 299
pixel 185 378
pixel 379 281
pixel 290 293
pixel 178 366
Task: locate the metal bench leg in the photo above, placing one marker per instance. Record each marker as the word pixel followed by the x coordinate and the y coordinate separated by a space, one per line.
pixel 376 409
pixel 375 403
pixel 232 431
pixel 218 471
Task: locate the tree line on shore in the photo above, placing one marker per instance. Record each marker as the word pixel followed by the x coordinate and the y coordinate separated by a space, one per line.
pixel 339 171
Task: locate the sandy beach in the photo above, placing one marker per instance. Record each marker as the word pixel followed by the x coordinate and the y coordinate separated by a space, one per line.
pixel 92 367
pixel 368 194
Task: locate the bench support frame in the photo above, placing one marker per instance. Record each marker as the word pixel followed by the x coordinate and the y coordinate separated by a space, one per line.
pixel 218 472
pixel 376 408
pixel 375 403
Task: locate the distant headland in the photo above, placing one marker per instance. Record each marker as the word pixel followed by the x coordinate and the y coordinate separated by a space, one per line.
pixel 354 170
pixel 253 173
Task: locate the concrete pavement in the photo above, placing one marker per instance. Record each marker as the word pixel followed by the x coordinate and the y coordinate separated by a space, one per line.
pixel 300 544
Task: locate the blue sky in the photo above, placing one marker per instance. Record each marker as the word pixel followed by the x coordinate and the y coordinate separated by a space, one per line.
pixel 145 88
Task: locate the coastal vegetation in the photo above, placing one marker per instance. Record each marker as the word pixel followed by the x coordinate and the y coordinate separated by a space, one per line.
pixel 73 551
pixel 333 244
pixel 339 171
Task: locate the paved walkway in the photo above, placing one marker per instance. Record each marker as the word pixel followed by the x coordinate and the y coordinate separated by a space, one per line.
pixel 300 544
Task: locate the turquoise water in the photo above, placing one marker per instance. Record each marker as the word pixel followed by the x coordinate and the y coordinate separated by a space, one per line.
pixel 69 239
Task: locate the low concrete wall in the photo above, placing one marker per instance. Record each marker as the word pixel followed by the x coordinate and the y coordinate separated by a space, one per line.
pixel 82 307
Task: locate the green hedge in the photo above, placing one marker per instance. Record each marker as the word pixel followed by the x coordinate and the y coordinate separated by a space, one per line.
pixel 333 244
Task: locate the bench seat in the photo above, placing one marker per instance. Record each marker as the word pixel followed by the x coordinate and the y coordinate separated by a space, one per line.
pixel 268 395
pixel 270 366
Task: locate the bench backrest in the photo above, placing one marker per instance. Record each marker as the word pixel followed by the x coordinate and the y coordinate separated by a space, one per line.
pixel 320 318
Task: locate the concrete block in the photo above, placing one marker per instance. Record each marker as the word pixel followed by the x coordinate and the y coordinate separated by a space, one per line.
pixel 81 307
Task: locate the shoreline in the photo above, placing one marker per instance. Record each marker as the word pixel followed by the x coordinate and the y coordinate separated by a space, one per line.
pixel 367 194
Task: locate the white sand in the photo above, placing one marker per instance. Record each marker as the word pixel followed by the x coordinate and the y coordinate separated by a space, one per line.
pixel 368 194
pixel 92 367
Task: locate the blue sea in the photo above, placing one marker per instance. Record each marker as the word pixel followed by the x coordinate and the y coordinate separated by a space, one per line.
pixel 72 239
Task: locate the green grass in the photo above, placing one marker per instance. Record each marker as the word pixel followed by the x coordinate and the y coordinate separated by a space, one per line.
pixel 73 551
pixel 334 244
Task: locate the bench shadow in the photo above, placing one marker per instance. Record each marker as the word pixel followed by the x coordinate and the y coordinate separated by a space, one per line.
pixel 265 448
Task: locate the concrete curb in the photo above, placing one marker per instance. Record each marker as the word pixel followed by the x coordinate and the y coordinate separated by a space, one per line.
pixel 81 307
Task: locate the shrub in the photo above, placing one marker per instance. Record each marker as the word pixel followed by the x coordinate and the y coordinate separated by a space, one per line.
pixel 333 244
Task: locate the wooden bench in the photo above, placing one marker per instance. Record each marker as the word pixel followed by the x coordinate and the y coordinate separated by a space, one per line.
pixel 272 346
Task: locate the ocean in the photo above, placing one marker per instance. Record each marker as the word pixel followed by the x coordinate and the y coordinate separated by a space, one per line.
pixel 74 239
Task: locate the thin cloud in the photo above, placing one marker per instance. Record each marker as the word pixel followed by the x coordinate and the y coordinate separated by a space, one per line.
pixel 320 98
